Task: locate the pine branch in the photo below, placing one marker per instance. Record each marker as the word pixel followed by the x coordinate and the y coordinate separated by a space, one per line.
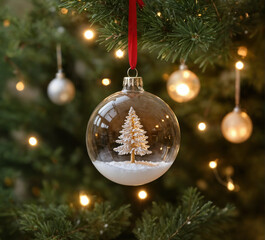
pixel 63 222
pixel 201 31
pixel 194 217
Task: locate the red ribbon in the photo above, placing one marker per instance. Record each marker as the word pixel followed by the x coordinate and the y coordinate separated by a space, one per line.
pixel 132 32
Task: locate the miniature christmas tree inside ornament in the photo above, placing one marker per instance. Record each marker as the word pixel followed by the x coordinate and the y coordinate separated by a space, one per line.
pixel 133 137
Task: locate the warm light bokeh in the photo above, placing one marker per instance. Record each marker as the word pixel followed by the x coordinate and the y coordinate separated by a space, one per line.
pixel 202 126
pixel 33 141
pixel 89 34
pixel 142 194
pixel 106 81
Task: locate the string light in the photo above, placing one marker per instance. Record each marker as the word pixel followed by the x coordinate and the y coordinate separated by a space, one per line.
pixel 239 65
pixel 106 81
pixel 20 86
pixel 230 186
pixel 89 34
pixel 229 171
pixel 213 164
pixel 64 10
pixel 84 199
pixel 202 184
pixel 119 53
pixel 165 76
pixel 202 126
pixel 33 141
pixel 142 194
pixel 159 14
pixel 242 51
pixel 6 23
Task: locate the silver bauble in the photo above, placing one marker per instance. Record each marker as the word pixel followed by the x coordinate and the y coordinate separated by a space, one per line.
pixel 61 90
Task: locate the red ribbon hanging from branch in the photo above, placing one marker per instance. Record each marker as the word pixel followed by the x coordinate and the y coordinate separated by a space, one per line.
pixel 132 32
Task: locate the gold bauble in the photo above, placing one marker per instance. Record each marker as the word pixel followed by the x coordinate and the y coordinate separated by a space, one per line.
pixel 183 85
pixel 236 126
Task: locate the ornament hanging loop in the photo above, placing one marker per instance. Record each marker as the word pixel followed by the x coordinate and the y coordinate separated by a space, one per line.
pixel 136 72
pixel 132 31
pixel 237 88
pixel 182 65
pixel 59 57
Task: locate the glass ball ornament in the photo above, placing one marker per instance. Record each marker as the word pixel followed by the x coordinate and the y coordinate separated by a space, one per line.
pixel 133 136
pixel 61 90
pixel 236 126
pixel 183 85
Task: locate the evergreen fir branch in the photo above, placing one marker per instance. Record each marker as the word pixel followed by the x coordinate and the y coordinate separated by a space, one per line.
pixel 63 222
pixel 194 217
pixel 200 31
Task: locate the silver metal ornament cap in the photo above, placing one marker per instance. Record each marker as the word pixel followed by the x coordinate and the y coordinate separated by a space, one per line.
pixel 60 74
pixel 183 66
pixel 132 83
pixel 237 109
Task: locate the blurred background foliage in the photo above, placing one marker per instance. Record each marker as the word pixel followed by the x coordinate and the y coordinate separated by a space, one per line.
pixel 58 168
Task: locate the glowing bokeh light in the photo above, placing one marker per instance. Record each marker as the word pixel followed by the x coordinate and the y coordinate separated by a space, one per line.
pixel 142 194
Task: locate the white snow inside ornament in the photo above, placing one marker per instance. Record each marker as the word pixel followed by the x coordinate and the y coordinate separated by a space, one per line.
pixel 133 137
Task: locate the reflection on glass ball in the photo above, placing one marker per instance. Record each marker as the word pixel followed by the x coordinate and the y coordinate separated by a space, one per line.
pixel 133 137
pixel 61 90
pixel 183 85
pixel 237 126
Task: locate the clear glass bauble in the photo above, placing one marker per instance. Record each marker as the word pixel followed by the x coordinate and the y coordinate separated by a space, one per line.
pixel 236 126
pixel 183 85
pixel 61 90
pixel 132 137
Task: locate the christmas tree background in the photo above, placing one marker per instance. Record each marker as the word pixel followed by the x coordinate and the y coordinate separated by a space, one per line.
pixel 41 185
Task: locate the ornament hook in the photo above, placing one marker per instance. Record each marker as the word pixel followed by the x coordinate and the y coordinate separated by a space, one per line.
pixel 59 57
pixel 136 72
pixel 183 65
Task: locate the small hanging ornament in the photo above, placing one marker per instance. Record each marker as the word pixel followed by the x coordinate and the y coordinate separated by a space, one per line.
pixel 183 85
pixel 132 137
pixel 60 90
pixel 237 126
